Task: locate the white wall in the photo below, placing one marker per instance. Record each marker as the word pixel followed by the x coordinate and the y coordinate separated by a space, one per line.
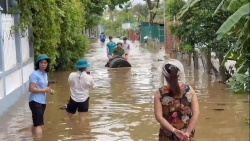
pixel 13 81
pixel 15 75
pixel 9 45
pixel 1 88
pixel 25 47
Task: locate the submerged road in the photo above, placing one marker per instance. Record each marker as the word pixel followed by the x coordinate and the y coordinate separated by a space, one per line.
pixel 121 106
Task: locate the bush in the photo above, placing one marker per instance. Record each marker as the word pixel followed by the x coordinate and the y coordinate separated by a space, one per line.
pixel 75 51
pixel 57 27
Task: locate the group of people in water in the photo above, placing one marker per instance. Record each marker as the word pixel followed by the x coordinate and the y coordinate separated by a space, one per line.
pixel 116 49
pixel 175 103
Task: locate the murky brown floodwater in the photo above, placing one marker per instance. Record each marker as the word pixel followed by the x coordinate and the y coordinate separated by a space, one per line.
pixel 121 107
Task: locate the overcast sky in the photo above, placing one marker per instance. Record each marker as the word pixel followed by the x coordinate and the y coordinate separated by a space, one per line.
pixel 137 1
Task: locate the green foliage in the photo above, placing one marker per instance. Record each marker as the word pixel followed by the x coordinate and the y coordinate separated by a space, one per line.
pixel 142 9
pixel 248 121
pixel 75 50
pixel 198 25
pixel 55 25
pixel 186 7
pixel 173 7
pixel 113 25
pixel 188 48
pixel 113 3
pixel 240 83
pixel 237 26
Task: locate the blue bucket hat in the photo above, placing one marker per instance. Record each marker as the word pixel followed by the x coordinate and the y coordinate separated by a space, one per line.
pixel 82 63
pixel 42 57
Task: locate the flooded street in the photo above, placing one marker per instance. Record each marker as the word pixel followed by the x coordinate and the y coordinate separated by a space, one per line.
pixel 121 106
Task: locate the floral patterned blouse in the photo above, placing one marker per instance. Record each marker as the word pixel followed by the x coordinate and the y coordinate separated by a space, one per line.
pixel 177 111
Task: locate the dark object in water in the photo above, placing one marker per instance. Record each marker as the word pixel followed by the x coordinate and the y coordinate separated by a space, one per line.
pixel 245 101
pixel 218 109
pixel 52 81
pixel 64 107
pixel 223 104
pixel 117 62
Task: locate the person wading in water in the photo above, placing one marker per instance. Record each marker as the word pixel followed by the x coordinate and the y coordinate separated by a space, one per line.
pixel 80 82
pixel 38 86
pixel 102 37
pixel 110 48
pixel 175 104
pixel 126 47
pixel 118 51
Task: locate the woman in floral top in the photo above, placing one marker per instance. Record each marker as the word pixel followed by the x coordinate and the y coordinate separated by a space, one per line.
pixel 175 105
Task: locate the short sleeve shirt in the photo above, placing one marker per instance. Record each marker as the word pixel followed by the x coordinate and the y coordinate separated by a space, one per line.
pixel 41 81
pixel 111 46
pixel 118 52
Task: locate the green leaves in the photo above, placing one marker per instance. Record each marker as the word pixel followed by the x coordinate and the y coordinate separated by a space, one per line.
pixel 237 26
pixel 232 20
pixel 186 7
pixel 56 24
pixel 240 83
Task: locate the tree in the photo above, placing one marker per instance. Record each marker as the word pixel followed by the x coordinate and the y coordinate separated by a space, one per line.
pixel 198 27
pixel 57 27
pixel 232 28
pixel 152 6
pixel 142 10
pixel 237 26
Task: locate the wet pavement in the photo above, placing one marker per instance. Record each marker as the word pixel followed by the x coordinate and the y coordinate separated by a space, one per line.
pixel 121 106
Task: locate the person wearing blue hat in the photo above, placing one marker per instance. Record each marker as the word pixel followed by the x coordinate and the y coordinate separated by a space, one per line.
pixel 80 82
pixel 38 86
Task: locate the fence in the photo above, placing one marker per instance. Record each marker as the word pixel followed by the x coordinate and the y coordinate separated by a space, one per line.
pixel 16 61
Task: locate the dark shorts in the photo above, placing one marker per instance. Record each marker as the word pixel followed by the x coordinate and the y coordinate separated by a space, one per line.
pixel 109 54
pixel 80 106
pixel 37 110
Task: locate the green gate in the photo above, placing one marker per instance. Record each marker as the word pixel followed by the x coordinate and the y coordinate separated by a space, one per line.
pixel 156 31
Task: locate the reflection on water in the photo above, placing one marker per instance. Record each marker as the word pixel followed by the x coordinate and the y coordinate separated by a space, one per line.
pixel 121 107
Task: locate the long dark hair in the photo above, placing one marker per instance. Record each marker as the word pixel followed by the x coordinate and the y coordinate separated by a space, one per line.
pixel 173 79
pixel 37 65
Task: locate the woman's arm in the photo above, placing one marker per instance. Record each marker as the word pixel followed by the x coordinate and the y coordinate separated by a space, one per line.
pixel 195 111
pixel 92 83
pixel 158 113
pixel 70 79
pixel 107 49
pixel 32 85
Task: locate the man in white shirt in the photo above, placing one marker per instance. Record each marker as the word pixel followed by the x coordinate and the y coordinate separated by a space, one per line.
pixel 80 82
pixel 126 47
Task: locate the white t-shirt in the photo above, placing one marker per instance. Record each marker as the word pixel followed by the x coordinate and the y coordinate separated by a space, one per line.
pixel 80 83
pixel 126 47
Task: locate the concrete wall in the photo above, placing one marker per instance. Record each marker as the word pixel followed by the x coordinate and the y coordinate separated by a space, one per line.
pixel 16 61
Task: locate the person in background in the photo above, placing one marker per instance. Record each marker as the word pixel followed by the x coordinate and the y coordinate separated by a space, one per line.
pixel 102 37
pixel 38 86
pixel 118 51
pixel 175 104
pixel 110 47
pixel 80 82
pixel 126 47
pixel 145 39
